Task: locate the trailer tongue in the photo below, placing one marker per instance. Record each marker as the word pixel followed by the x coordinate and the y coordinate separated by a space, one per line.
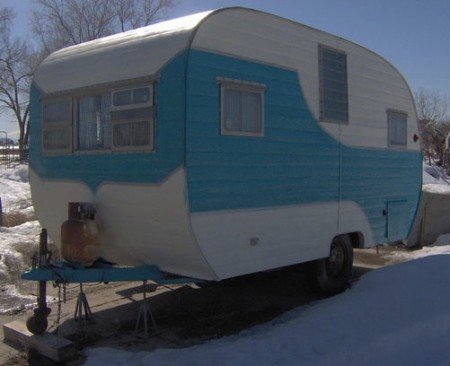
pixel 64 272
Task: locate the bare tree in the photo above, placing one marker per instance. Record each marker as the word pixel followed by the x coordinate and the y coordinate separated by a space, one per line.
pixel 17 64
pixel 132 14
pixel 432 109
pixel 61 23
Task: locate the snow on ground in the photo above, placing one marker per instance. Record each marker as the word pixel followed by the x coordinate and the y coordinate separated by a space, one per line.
pixel 398 315
pixel 435 179
pixel 14 186
pixel 17 244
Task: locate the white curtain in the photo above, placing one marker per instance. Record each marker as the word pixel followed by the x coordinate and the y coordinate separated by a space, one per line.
pixel 94 122
pixel 242 111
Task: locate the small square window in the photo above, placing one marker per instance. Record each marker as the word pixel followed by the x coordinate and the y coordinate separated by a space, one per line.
pixel 141 95
pixel 131 98
pixel 122 97
pixel 242 108
pixel 397 128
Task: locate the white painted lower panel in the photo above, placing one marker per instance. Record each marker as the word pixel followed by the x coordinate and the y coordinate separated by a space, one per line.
pixel 139 223
pixel 246 241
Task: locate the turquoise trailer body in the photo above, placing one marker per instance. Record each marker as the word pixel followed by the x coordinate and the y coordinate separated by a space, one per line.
pixel 225 143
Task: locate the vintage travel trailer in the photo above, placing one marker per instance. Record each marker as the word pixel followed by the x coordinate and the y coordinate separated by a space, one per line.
pixel 224 143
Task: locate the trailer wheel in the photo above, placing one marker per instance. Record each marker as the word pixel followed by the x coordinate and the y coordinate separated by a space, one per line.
pixel 335 272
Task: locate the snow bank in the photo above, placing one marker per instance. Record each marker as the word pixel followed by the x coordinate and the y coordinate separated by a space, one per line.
pixel 435 180
pixel 397 315
pixel 14 187
pixel 17 244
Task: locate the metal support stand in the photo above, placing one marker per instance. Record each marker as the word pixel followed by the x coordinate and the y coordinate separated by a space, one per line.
pixel 145 312
pixel 82 304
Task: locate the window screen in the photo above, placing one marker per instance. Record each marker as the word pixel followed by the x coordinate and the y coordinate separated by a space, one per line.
pixel 242 108
pixel 133 128
pixel 333 85
pixel 397 128
pixel 57 125
pixel 94 122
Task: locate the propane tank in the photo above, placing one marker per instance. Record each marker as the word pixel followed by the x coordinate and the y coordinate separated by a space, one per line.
pixel 80 239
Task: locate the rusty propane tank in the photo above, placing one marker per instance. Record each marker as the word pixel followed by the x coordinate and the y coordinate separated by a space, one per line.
pixel 80 239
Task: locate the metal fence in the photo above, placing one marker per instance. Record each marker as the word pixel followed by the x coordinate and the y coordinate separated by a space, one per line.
pixel 12 155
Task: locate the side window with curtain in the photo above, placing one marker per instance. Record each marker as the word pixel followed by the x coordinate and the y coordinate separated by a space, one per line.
pixel 397 128
pixel 57 126
pixel 242 108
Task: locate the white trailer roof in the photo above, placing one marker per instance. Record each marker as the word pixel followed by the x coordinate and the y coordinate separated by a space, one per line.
pixel 121 56
pixel 375 85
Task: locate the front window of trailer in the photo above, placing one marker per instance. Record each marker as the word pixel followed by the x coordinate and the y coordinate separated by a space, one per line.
pixel 94 122
pixel 109 120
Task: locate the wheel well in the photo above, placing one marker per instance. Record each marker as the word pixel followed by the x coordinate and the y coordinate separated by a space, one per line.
pixel 357 239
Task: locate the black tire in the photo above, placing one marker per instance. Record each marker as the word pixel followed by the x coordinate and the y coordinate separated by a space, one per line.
pixel 333 274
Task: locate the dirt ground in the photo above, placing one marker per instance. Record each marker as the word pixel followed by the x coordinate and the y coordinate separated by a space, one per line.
pixel 184 315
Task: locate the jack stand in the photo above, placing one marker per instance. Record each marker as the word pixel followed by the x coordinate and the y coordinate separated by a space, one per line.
pixel 82 303
pixel 37 324
pixel 143 315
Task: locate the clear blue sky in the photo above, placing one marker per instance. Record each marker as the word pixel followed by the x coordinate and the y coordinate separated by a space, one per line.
pixel 414 35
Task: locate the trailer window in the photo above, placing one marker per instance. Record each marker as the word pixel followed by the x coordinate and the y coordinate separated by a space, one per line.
pixel 109 120
pixel 57 126
pixel 242 108
pixel 94 122
pixel 132 116
pixel 133 128
pixel 118 120
pixel 397 128
pixel 333 86
pixel 132 98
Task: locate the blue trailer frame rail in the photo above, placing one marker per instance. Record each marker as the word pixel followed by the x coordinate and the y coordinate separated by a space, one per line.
pixel 63 272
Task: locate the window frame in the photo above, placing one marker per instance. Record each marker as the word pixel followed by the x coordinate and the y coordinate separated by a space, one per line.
pixel 149 103
pixel 324 116
pixel 72 124
pixel 404 143
pixel 135 106
pixel 149 147
pixel 241 86
pixel 54 126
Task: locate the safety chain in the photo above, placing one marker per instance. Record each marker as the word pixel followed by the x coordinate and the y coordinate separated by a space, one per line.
pixel 61 286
